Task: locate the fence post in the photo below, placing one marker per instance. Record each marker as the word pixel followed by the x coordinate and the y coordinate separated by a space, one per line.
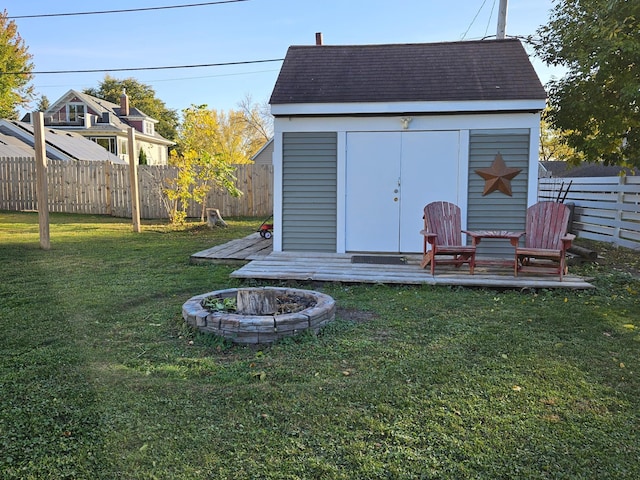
pixel 42 192
pixel 107 186
pixel 133 180
pixel 619 208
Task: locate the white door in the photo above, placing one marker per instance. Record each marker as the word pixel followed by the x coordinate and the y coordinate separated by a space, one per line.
pixel 372 193
pixel 390 177
pixel 430 172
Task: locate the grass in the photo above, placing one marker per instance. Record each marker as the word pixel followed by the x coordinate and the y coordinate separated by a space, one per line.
pixel 100 378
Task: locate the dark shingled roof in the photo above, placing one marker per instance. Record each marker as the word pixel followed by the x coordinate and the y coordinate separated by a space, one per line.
pixel 452 71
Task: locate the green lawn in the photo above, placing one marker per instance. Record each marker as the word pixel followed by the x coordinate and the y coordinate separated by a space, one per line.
pixel 100 379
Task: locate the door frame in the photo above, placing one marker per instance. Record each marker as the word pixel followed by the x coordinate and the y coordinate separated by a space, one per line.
pixel 459 196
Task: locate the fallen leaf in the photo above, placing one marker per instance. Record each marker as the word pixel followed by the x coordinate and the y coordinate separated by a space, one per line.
pixel 516 388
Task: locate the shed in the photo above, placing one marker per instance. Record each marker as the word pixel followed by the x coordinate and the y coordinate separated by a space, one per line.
pixel 366 135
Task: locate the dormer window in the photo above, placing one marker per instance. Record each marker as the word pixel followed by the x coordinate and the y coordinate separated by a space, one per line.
pixel 148 128
pixel 75 112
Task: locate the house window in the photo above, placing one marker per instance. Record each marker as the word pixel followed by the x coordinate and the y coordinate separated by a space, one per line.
pixel 108 143
pixel 75 112
pixel 147 128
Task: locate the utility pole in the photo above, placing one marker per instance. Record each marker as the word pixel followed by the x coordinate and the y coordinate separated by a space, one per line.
pixel 502 20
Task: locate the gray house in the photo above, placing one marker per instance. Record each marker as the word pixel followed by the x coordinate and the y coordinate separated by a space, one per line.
pixel 367 135
pixel 264 156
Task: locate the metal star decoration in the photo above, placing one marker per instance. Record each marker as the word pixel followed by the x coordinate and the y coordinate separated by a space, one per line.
pixel 498 176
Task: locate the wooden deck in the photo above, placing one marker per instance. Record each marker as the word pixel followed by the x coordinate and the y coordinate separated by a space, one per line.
pixel 331 267
pixel 236 251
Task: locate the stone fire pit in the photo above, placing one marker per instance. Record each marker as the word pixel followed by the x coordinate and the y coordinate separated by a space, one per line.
pixel 263 315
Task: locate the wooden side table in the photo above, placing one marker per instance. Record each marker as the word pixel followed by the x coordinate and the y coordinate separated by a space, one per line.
pixel 513 237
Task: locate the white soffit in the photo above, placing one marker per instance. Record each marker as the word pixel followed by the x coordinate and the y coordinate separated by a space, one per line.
pixel 479 106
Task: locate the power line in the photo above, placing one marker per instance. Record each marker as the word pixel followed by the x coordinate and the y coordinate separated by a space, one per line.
pixel 49 15
pixel 106 70
pixel 490 17
pixel 179 79
pixel 474 19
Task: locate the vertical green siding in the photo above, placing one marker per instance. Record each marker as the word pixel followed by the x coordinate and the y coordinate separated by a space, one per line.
pixel 309 191
pixel 497 211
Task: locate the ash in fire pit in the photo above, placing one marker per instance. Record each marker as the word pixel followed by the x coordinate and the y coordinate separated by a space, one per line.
pixel 259 315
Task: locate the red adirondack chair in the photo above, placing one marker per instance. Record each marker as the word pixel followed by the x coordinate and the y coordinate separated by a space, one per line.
pixel 546 240
pixel 442 231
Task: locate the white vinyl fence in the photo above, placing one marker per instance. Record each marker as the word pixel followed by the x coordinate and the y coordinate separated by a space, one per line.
pixel 607 209
pixel 99 187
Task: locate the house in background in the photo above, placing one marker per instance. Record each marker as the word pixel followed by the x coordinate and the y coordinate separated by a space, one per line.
pixel 107 124
pixel 367 135
pixel 550 169
pixel 264 156
pixel 17 140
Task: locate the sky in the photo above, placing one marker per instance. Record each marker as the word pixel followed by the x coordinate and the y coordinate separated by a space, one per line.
pixel 237 31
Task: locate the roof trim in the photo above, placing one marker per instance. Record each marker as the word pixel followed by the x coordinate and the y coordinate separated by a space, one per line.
pixel 477 106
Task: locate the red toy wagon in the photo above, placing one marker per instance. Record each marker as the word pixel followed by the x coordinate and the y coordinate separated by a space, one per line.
pixel 266 229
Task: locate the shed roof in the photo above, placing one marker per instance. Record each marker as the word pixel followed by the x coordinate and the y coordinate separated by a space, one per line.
pixel 420 72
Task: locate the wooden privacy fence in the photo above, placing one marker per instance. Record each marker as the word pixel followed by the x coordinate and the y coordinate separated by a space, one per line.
pixel 607 209
pixel 100 187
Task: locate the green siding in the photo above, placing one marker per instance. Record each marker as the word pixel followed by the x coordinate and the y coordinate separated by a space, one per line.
pixel 497 211
pixel 309 191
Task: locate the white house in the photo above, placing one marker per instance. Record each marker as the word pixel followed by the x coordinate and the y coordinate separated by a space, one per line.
pixel 107 124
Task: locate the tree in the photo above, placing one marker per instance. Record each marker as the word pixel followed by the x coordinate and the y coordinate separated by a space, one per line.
pixel 43 104
pixel 142 157
pixel 598 101
pixel 258 120
pixel 226 135
pixel 142 97
pixel 15 68
pixel 553 144
pixel 207 152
